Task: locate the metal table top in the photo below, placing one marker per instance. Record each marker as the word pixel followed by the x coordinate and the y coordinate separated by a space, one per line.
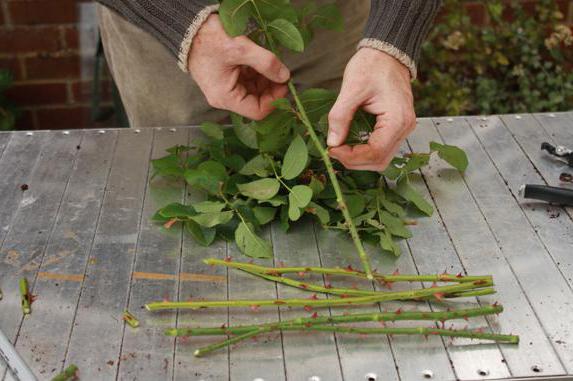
pixel 82 236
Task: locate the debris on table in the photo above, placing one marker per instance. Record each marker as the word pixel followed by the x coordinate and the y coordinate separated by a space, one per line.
pixel 130 319
pixel 70 373
pixel 25 296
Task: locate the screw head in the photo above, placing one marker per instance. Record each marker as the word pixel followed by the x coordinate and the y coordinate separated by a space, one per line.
pixel 371 377
pixel 66 132
pixel 314 378
pixel 483 372
pixel 29 133
pixel 101 132
pixel 428 374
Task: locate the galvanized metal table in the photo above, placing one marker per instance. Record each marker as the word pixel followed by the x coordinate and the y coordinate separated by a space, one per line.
pixel 81 233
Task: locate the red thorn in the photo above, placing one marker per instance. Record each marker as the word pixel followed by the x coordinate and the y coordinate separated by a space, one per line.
pixel 224 326
pixel 349 268
pixel 251 261
pixel 344 296
pixel 443 324
pixel 279 302
pixel 396 272
pixel 255 308
pixel 434 285
pixel 459 275
pixel 354 286
pixel 314 315
pixel 495 304
pixel 313 297
pixel 308 308
pixel 301 274
pixel 439 296
pixel 228 259
pixel 170 223
pixel 281 264
pixel 479 330
pixel 398 311
pixel 466 317
pixel 327 285
pixel 383 324
pixel 445 272
pixel 305 286
pixel 388 284
pixel 307 325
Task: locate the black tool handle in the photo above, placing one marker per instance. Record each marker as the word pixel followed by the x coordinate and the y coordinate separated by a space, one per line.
pixel 562 196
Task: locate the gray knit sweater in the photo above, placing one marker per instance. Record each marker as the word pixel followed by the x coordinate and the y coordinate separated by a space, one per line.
pixel 397 27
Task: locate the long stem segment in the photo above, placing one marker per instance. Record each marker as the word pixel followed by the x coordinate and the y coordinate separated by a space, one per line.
pixel 440 316
pixel 233 340
pixel 381 297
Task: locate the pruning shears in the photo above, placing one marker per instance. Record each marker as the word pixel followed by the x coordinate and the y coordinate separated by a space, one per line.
pixel 561 196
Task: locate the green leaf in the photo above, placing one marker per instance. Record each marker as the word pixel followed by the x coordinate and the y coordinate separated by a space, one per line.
pixel 294 212
pixel 274 122
pixel 274 9
pixel 284 222
pixel 203 236
pixel 168 166
pixel 405 190
pixel 322 213
pixel 208 176
pixel 234 14
pixel 355 204
pixel 208 206
pixel 259 165
pixel 282 104
pixel 416 161
pixel 251 244
pixel 287 34
pixel 263 189
pixel 392 207
pixel 264 214
pixel 388 244
pixel 329 17
pixel 275 201
pixel 300 196
pixel 453 155
pixel 317 102
pixel 295 159
pixel 210 220
pixel 177 210
pixel 212 130
pixel 394 225
pixel 316 185
pixel 244 132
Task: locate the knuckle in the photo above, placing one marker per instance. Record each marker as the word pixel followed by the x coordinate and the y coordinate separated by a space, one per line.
pixel 235 49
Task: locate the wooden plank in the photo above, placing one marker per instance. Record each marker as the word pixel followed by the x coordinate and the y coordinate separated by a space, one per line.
pixel 44 334
pixel 146 353
pixel 524 251
pixel 479 252
pixel 432 252
pixel 214 367
pixel 551 222
pixel 96 337
pixel 306 355
pixel 25 243
pixel 267 350
pixel 4 140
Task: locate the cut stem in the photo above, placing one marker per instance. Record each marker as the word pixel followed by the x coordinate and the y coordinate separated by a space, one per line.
pixel 223 344
pixel 440 316
pixel 380 297
pixel 25 297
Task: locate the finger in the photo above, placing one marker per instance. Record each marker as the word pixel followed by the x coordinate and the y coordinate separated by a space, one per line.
pixel 345 156
pixel 262 60
pixel 340 118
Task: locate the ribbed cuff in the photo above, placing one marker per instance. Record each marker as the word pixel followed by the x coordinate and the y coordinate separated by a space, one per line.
pixel 185 47
pixel 399 28
pixel 387 48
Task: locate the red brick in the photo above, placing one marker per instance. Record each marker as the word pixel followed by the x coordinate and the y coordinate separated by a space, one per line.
pixel 34 12
pixel 2 20
pixel 47 67
pixel 34 94
pixel 82 91
pixel 25 121
pixel 23 40
pixel 72 38
pixel 13 65
pixel 63 118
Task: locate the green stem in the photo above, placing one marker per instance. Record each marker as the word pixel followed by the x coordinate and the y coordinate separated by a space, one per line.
pixel 439 316
pixel 276 271
pixel 223 344
pixel 381 297
pixel 25 297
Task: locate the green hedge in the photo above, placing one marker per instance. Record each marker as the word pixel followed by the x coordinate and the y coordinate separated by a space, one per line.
pixel 520 65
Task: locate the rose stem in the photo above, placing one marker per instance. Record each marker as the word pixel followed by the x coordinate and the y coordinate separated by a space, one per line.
pixel 440 316
pixel 382 297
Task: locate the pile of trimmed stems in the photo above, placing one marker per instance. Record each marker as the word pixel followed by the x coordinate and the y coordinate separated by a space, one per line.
pixel 457 286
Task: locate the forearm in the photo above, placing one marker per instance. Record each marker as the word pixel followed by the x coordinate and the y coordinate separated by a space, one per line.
pixel 173 22
pixel 399 28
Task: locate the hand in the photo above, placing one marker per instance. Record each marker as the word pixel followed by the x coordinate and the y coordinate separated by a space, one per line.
pixel 380 85
pixel 236 74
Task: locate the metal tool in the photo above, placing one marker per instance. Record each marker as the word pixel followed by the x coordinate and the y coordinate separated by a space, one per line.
pixel 561 196
pixel 563 153
pixel 20 370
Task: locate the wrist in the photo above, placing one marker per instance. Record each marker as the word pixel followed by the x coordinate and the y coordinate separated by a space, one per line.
pixel 391 56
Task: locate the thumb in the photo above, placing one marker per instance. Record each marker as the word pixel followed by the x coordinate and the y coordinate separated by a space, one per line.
pixel 263 61
pixel 340 118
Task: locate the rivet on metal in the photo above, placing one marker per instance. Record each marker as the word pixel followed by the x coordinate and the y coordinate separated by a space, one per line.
pixel 172 129
pixel 536 369
pixel 137 131
pixel 450 120
pixel 371 377
pixel 483 372
pixel 101 132
pixel 29 133
pixel 518 117
pixel 259 379
pixel 483 118
pixel 66 132
pixel 314 378
pixel 552 115
pixel 428 374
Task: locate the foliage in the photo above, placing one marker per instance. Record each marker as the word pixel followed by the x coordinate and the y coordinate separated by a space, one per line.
pixel 8 112
pixel 512 64
pixel 277 169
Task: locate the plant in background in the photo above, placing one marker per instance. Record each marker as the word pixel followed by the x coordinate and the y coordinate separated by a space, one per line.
pixel 8 112
pixel 512 64
pixel 278 169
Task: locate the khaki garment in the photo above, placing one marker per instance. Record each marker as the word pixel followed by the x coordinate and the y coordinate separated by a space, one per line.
pixel 155 92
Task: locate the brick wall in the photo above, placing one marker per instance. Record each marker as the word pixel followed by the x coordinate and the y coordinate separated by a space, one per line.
pixel 40 45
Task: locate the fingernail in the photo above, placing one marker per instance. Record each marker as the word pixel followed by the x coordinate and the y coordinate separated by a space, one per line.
pixel 284 74
pixel 332 139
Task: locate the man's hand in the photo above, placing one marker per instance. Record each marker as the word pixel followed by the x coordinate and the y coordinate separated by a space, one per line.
pixel 236 74
pixel 380 85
